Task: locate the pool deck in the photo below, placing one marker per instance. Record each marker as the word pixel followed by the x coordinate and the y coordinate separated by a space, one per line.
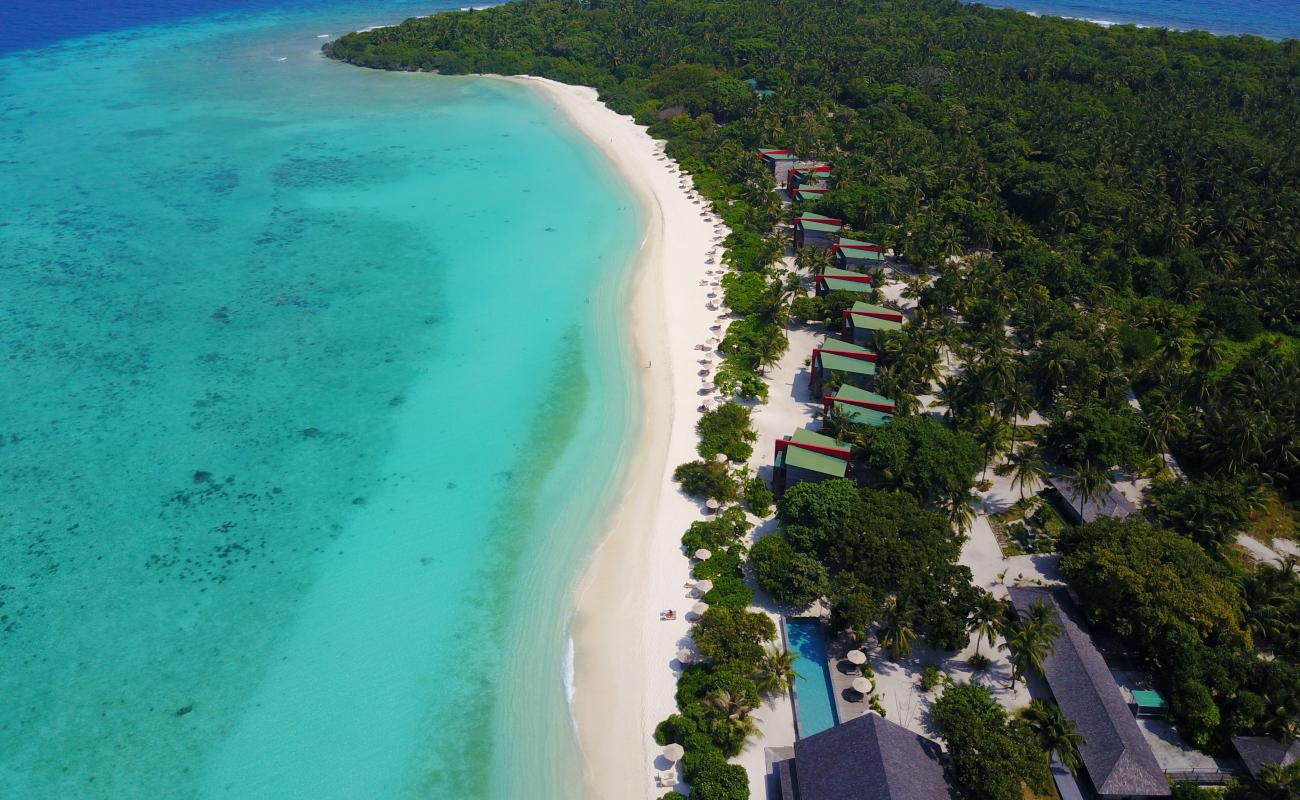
pixel 848 703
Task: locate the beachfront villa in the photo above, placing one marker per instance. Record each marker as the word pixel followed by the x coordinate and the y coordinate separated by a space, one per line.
pixel 779 161
pixel 808 194
pixel 815 231
pixel 854 364
pixel 808 456
pixel 860 323
pixel 1117 760
pixel 860 406
pixel 869 758
pixel 858 255
pixel 832 279
pixel 808 175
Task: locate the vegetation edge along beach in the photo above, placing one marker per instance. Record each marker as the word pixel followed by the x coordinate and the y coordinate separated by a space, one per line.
pixel 1090 234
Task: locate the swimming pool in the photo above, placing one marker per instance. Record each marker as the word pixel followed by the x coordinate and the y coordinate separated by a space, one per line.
pixel 814 698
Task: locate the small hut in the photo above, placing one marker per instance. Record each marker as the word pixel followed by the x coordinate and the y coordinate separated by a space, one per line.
pixel 833 279
pixel 856 365
pixel 779 161
pixel 860 406
pixel 858 255
pixel 860 323
pixel 815 231
pixel 808 456
pixel 808 175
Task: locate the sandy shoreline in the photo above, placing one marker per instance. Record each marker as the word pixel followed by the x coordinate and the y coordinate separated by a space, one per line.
pixel 623 653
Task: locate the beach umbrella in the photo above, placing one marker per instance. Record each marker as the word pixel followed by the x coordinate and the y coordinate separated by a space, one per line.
pixel 857 657
pixel 704 587
pixel 712 506
pixel 703 554
pixel 699 608
pixel 862 686
pixel 685 656
pixel 713 340
pixel 674 752
pixel 721 458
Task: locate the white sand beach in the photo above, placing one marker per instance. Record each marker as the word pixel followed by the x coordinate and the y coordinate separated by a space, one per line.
pixel 623 652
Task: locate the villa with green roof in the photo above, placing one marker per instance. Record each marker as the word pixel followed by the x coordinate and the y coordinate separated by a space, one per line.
pixel 808 175
pixel 856 365
pixel 779 161
pixel 842 280
pixel 815 231
pixel 861 323
pixel 855 254
pixel 808 194
pixel 860 406
pixel 808 456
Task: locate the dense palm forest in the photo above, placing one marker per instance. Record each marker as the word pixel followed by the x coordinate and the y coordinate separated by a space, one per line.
pixel 1126 202
pixel 1155 172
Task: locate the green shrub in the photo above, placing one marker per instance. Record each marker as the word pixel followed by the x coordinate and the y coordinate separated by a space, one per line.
pixel 758 497
pixel 791 577
pixel 726 430
pixel 721 564
pixel 729 591
pixel 1194 710
pixel 730 634
pixel 803 309
pixel 930 678
pixel 706 479
pixel 718 533
pixel 712 778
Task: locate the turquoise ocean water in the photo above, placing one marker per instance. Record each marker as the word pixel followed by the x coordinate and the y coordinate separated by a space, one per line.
pixel 313 382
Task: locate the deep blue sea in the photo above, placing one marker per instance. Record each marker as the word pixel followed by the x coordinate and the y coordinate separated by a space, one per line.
pixel 313 389
pixel 1273 19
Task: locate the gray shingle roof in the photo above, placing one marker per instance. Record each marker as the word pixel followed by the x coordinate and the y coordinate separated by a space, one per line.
pixel 1117 757
pixel 1257 751
pixel 1111 504
pixel 869 758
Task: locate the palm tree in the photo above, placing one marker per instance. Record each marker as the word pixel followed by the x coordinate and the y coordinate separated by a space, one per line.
pixel 986 619
pixel 1017 400
pixel 1089 482
pixel 775 671
pixel 1028 468
pixel 896 633
pixel 1163 424
pixel 990 432
pixel 961 511
pixel 1055 733
pixel 730 706
pixel 1030 639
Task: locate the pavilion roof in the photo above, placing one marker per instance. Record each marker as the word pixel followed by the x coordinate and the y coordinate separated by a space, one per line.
pixel 1116 754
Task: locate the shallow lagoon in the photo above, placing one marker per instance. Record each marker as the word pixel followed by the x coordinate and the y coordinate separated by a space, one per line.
pixel 314 382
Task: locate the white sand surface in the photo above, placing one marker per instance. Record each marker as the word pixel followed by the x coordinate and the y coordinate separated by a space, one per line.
pixel 624 655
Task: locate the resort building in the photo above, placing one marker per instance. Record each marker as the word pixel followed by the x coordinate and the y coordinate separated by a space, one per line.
pixel 860 406
pixel 857 255
pixel 1111 504
pixel 779 161
pixel 808 194
pixel 808 175
pixel 808 456
pixel 860 323
pixel 758 89
pixel 867 758
pixel 853 364
pixel 1258 752
pixel 841 280
pixel 1116 757
pixel 815 231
